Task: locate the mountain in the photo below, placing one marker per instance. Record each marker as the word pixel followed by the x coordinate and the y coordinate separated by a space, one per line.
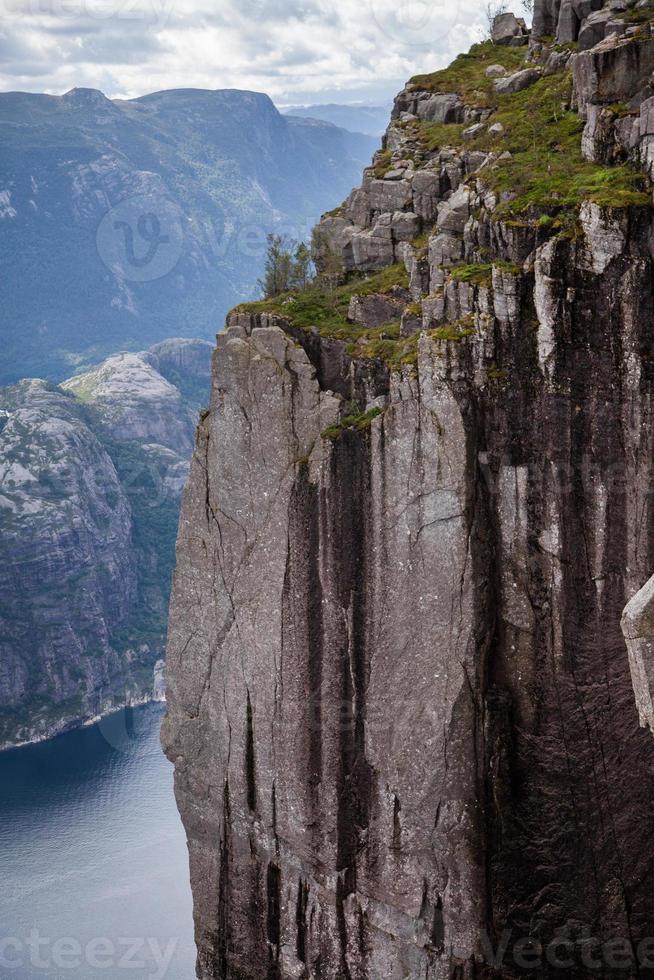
pixel 367 119
pixel 403 712
pixel 125 222
pixel 91 474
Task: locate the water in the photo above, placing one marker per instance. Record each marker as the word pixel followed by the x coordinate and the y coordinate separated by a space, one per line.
pixel 93 860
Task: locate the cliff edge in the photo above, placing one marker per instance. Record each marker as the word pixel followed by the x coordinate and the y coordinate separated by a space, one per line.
pixel 401 710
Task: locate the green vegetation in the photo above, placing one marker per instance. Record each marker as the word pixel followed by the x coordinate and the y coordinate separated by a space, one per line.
pixel 382 162
pixel 546 169
pixel 543 169
pixel 454 331
pixel 478 274
pixel 327 309
pixel 496 375
pixel 357 423
pixel 467 74
pixel 288 266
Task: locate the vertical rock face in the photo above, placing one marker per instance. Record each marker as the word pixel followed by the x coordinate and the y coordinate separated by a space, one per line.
pixel 401 708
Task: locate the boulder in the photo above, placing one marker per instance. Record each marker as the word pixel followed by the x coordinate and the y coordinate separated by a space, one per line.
pixel 444 107
pixel 453 213
pixel 568 24
pixel 472 132
pixel 426 194
pixel 405 226
pixel 594 29
pixel 495 71
pixel 516 82
pixel 509 29
pixel 546 15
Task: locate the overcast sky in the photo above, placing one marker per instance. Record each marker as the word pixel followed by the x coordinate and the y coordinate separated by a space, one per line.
pixel 298 51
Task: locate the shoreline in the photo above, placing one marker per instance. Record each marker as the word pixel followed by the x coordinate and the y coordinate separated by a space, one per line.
pixel 72 726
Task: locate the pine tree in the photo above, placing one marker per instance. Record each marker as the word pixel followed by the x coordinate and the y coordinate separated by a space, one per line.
pixel 278 270
pixel 301 274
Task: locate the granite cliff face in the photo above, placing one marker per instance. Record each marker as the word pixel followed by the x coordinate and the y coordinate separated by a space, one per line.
pixel 403 717
pixel 91 475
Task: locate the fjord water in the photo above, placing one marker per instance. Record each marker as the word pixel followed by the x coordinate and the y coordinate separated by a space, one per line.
pixel 93 860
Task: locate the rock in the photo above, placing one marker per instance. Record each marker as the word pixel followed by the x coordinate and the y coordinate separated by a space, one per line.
pixel 472 132
pixel 638 628
pixel 496 129
pixel 405 226
pixel 516 82
pixel 613 71
pixel 376 309
pixel 426 188
pixel 496 71
pixel 567 29
pixel 89 518
pixel 295 710
pixel 392 678
pixel 411 323
pixel 454 212
pixel 545 18
pixel 606 235
pixel 394 175
pixel 509 29
pixel 389 195
pixel 594 29
pixel 441 108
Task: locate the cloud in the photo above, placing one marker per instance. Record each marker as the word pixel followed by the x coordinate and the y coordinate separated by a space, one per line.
pixel 295 50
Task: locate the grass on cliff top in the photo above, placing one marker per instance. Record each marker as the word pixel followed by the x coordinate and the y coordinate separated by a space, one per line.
pixel 467 73
pixel 545 171
pixel 327 310
pixel 546 168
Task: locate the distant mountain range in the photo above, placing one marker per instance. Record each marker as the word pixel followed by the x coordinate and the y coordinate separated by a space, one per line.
pixel 125 222
pixel 371 120
pixel 91 473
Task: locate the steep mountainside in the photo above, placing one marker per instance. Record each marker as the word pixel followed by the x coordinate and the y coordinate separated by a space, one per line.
pixel 90 479
pixel 401 711
pixel 121 220
pixel 357 118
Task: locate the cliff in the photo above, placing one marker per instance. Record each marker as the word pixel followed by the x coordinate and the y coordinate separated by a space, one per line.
pixel 401 711
pixel 91 475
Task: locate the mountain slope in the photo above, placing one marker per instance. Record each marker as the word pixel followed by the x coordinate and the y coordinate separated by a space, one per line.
pixel 90 479
pixel 370 120
pixel 121 221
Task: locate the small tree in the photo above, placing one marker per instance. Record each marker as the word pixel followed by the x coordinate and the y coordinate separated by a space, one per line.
pixel 278 270
pixel 301 267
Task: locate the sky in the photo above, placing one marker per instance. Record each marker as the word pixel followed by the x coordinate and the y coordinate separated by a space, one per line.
pixel 297 51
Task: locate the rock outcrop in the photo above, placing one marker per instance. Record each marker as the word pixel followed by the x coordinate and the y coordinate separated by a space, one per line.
pixel 401 708
pixel 91 475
